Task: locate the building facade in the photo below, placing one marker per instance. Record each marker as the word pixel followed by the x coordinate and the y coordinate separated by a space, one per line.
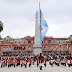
pixel 24 45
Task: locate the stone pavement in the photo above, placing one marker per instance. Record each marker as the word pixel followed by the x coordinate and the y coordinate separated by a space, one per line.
pixel 34 68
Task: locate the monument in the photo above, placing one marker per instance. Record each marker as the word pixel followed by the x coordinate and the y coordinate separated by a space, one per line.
pixel 37 47
pixel 41 28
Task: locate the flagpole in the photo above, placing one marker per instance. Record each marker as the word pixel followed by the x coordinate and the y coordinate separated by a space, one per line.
pixel 39 19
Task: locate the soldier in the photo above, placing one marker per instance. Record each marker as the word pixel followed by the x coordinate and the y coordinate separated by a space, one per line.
pixel 21 60
pixel 45 59
pixel 6 59
pixel 57 59
pixel 18 60
pixel 25 62
pixel 63 60
pixel 51 60
pixel 40 61
pixel 9 62
pixel 2 61
pixel 14 61
pixel 29 59
pixel 69 60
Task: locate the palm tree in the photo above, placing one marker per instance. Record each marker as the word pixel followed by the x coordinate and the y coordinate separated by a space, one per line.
pixel 1 26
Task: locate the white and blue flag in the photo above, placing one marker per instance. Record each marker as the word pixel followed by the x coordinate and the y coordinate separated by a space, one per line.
pixel 43 26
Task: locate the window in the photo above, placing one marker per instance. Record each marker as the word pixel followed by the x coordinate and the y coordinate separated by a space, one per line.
pixel 9 48
pixel 49 41
pixel 29 41
pixel 44 48
pixel 4 48
pixel 24 48
pixel 63 48
pixel 54 48
pixel 69 47
pixel 48 47
pixel 14 48
pixel 29 48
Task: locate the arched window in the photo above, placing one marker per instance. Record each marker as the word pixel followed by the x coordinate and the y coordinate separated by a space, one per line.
pixel 9 48
pixel 29 41
pixel 4 48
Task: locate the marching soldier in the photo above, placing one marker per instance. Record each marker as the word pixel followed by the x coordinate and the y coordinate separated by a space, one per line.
pixel 57 59
pixel 14 61
pixel 25 62
pixel 40 61
pixel 29 59
pixel 2 61
pixel 69 60
pixel 63 60
pixel 45 59
pixel 51 60
pixel 21 60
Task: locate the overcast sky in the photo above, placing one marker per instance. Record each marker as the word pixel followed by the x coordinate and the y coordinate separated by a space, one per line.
pixel 18 17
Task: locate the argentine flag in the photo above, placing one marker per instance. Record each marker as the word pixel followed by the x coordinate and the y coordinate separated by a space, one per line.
pixel 43 27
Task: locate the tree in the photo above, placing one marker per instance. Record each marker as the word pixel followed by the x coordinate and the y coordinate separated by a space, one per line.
pixel 1 26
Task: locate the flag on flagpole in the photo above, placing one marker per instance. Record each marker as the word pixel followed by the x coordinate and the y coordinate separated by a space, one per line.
pixel 43 27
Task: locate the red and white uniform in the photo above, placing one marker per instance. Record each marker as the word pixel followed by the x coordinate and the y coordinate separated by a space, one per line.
pixel 69 60
pixel 45 59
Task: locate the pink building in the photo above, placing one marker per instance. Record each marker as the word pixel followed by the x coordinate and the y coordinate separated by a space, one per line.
pixel 24 45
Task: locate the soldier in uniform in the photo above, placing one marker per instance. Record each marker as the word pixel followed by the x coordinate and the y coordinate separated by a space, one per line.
pixel 21 60
pixel 63 60
pixel 40 61
pixel 14 61
pixel 57 59
pixel 2 61
pixel 69 60
pixel 25 60
pixel 51 60
pixel 45 59
pixel 29 59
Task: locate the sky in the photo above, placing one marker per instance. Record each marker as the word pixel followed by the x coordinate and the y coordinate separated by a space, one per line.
pixel 18 17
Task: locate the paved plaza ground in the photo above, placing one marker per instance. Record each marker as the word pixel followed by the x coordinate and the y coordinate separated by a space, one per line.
pixel 34 68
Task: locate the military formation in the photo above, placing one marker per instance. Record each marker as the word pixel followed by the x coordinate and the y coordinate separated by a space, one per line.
pixel 24 60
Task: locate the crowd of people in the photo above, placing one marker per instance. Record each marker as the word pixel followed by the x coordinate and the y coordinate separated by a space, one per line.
pixel 24 60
